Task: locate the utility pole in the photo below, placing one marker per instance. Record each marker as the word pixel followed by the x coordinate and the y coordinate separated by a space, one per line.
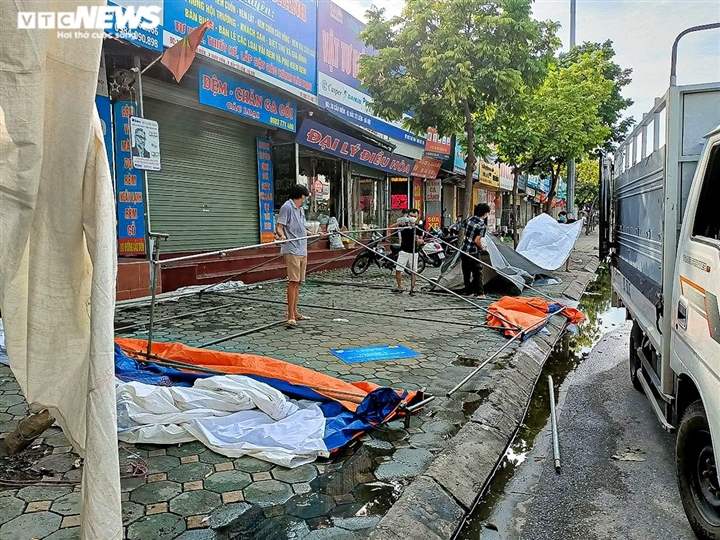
pixel 571 164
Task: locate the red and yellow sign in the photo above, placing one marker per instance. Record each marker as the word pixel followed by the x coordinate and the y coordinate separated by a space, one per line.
pixel 426 168
pixel 433 221
pixel 436 145
pixel 417 193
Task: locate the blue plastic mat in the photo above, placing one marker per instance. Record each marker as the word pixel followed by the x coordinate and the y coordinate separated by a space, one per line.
pixel 376 352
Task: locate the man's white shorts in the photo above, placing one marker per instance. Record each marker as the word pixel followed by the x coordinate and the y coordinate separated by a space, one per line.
pixel 404 260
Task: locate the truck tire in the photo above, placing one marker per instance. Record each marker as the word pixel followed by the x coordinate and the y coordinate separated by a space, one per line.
pixel 635 363
pixel 697 473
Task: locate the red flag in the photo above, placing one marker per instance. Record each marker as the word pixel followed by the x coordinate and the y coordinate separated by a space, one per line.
pixel 179 57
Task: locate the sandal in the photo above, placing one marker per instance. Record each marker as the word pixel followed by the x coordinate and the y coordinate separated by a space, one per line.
pixel 398 291
pixel 290 323
pixel 303 318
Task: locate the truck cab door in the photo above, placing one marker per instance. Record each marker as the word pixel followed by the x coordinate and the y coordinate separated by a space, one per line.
pixel 695 311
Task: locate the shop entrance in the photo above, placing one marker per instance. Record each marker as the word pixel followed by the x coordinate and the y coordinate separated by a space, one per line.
pixel 322 175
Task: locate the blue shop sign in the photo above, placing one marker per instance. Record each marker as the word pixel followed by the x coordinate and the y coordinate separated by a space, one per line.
pixel 459 165
pixel 274 41
pixel 224 92
pixel 265 190
pixel 104 109
pixel 338 87
pixel 129 185
pixel 325 139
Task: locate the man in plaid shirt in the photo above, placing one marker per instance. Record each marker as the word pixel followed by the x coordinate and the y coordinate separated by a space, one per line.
pixel 473 244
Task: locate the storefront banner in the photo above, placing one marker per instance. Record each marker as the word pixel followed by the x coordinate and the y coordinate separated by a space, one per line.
pixel 506 183
pixel 148 38
pixel 433 221
pixel 129 182
pixel 426 168
pixel 459 163
pixel 226 93
pixel 104 109
pixel 145 142
pixel 433 190
pixel 265 190
pixel 273 41
pixel 417 193
pixel 339 89
pixel 325 139
pixel 436 146
pixel 398 202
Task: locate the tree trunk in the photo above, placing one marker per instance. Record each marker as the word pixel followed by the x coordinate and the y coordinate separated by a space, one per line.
pixel 469 167
pixel 553 188
pixel 514 214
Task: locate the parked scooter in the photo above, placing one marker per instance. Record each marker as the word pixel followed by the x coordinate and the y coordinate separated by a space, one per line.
pixel 374 254
pixel 433 251
pixel 448 237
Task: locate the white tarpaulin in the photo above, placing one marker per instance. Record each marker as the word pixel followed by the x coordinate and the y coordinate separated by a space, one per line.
pixel 57 245
pixel 232 415
pixel 548 243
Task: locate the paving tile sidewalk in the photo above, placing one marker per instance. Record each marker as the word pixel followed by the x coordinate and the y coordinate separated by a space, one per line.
pixel 189 492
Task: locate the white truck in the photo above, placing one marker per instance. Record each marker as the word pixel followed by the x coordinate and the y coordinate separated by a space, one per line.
pixel 661 228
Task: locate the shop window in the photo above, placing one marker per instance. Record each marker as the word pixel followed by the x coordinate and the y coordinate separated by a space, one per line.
pixel 707 217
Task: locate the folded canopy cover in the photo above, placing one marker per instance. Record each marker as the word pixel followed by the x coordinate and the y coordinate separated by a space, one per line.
pixel 528 314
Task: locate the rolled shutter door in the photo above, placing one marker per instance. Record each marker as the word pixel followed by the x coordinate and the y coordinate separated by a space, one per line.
pixel 206 195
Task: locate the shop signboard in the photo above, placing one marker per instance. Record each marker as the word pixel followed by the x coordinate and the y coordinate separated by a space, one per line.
pixel 338 87
pixel 129 182
pixel 436 146
pixel 283 165
pixel 104 109
pixel 329 141
pixel 459 163
pixel 417 193
pixel 426 168
pixel 145 143
pixel 399 202
pixel 224 92
pixel 272 41
pixel 506 183
pixel 265 190
pixel 433 221
pixel 147 34
pixel 433 190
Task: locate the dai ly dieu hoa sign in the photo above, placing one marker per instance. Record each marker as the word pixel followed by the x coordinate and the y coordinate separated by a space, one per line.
pixel 224 92
pixel 325 139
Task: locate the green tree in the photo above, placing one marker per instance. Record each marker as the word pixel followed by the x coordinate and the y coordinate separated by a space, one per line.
pixel 563 116
pixel 450 61
pixel 587 183
pixel 610 109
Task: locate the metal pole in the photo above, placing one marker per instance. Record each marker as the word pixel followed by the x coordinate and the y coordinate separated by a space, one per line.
pixel 673 60
pixel 240 334
pixel 464 299
pixel 420 404
pixel 571 164
pixel 553 423
pixel 477 369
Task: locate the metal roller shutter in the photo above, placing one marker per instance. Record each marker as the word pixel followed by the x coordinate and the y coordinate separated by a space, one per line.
pixel 206 196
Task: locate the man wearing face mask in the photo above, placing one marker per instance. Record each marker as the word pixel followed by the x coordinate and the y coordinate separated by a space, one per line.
pixel 410 243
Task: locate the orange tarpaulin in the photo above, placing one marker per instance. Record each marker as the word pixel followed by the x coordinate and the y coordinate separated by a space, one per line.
pixel 347 394
pixel 528 314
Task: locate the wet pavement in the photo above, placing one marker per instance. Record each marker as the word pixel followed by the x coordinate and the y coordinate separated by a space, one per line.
pixel 189 492
pixel 617 478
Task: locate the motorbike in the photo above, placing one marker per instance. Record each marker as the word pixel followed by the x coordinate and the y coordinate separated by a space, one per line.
pixel 373 254
pixel 449 239
pixel 433 251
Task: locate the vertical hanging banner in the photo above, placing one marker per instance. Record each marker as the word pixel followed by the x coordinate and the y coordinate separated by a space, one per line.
pixel 433 190
pixel 418 193
pixel 129 185
pixel 265 190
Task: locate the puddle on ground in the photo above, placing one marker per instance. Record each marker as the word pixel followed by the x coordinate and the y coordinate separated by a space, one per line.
pixel 565 358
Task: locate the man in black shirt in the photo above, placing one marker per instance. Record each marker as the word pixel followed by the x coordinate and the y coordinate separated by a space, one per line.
pixel 410 244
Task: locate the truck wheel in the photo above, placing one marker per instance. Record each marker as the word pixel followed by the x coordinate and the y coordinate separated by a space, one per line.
pixel 697 473
pixel 635 363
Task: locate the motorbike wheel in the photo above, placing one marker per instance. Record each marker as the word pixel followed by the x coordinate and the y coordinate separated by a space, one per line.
pixel 360 264
pixel 436 261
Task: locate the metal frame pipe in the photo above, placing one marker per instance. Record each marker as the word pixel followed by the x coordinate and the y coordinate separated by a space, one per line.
pixel 243 333
pixel 464 299
pixel 553 424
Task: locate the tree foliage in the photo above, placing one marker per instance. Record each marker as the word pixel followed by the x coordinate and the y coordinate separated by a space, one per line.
pixel 587 186
pixel 611 109
pixel 450 62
